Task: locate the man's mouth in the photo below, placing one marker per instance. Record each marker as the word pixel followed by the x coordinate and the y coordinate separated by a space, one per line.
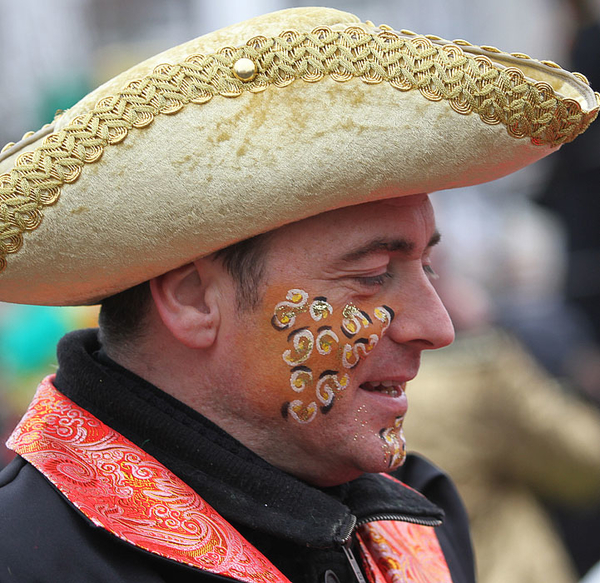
pixel 390 388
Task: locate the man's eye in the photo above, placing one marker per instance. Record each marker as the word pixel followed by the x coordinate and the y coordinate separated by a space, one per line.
pixel 374 280
pixel 431 274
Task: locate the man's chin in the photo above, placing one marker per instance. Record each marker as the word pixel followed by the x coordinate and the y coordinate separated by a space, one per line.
pixel 381 462
pixel 374 464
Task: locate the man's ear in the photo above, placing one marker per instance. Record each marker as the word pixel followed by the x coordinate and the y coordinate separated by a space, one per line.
pixel 186 300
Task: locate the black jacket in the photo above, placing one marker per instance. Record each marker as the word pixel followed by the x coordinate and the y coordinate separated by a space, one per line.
pixel 43 538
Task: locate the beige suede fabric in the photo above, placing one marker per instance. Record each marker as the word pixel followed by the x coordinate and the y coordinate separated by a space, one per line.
pixel 130 199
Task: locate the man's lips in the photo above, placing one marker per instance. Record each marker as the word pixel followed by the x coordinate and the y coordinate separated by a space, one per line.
pixel 390 388
pixel 389 395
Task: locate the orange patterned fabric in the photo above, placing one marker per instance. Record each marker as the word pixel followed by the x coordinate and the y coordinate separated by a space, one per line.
pixel 399 552
pixel 121 488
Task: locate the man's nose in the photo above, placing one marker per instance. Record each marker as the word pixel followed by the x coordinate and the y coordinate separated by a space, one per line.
pixel 421 319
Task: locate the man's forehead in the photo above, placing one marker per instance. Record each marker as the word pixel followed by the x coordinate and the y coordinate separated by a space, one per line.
pixel 360 210
pixel 401 201
pixel 379 203
pixel 385 206
pixel 399 224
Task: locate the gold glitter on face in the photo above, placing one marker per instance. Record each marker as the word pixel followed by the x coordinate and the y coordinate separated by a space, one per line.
pixel 285 312
pixel 350 310
pixel 322 346
pixel 394 445
pixel 361 422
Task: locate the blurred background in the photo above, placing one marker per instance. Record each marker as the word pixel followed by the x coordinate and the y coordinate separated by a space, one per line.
pixel 520 267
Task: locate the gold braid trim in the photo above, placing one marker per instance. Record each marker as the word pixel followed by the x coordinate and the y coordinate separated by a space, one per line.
pixel 470 84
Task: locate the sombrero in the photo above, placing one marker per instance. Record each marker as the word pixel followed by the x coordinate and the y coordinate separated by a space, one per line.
pixel 258 125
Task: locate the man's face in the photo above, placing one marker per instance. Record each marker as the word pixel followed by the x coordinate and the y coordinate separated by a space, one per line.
pixel 314 379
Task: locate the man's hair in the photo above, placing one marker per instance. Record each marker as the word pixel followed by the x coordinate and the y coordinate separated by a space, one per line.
pixel 122 316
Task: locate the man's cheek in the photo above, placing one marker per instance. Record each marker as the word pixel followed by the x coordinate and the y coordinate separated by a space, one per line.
pixel 321 346
pixel 318 381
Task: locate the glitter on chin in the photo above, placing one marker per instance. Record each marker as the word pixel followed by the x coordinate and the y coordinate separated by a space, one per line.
pixel 394 444
pixel 362 410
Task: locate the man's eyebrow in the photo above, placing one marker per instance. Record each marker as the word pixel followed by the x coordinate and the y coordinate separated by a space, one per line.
pixel 435 239
pixel 389 245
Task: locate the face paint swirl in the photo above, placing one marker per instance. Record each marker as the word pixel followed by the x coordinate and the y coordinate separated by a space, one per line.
pixel 394 445
pixel 323 345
